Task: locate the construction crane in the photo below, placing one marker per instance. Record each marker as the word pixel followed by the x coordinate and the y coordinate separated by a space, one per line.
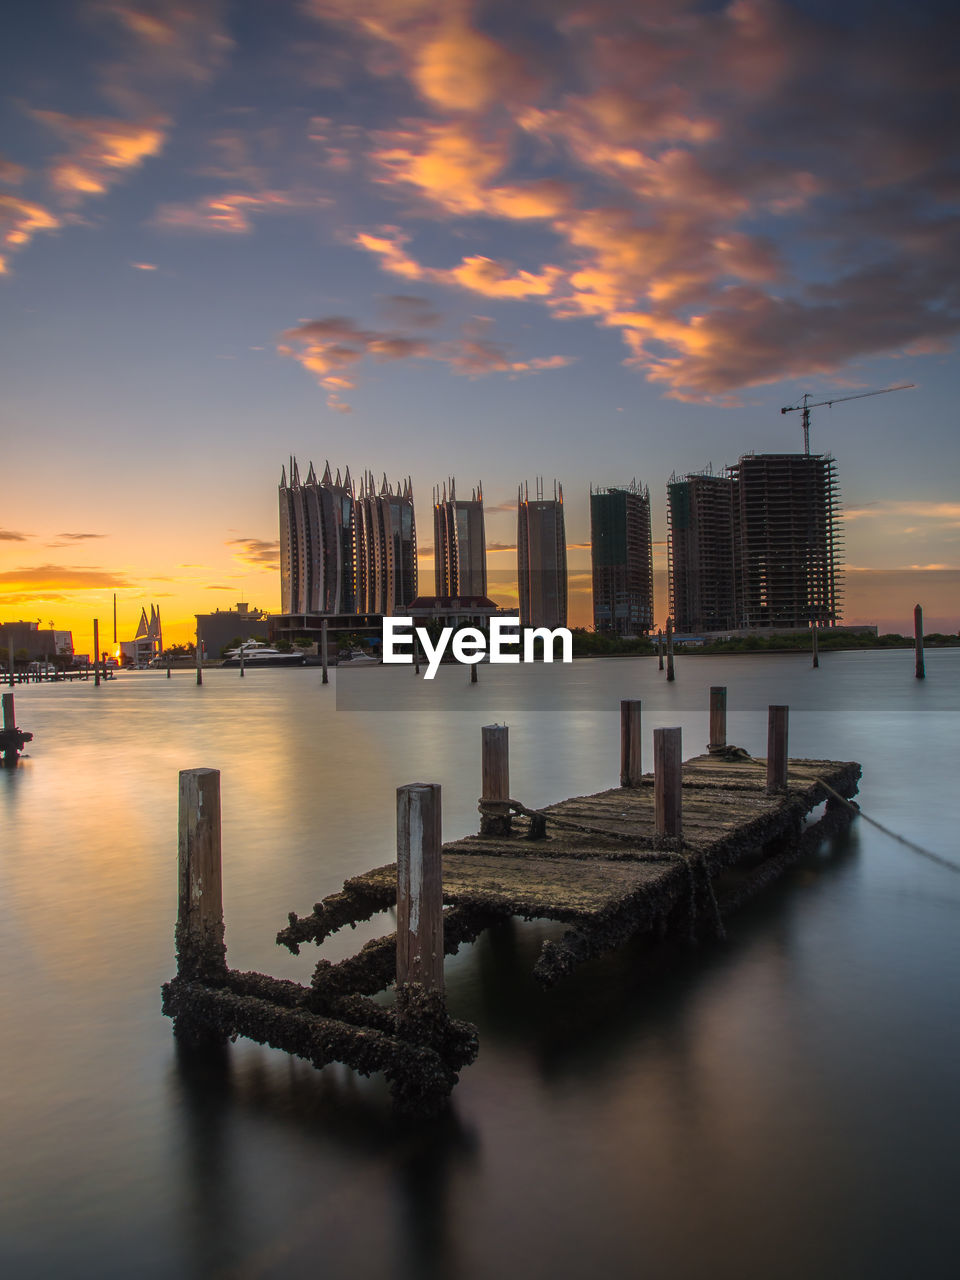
pixel 804 406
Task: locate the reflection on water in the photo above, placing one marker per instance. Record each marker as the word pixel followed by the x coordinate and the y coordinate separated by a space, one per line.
pixel 759 1107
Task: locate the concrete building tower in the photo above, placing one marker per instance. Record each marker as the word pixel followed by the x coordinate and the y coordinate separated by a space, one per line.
pixel 703 552
pixel 541 558
pixel 621 551
pixel 460 548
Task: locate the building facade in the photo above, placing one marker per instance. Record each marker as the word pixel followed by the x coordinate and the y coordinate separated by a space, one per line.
pixel 541 558
pixel 621 551
pixel 343 551
pixel 460 546
pixel 790 540
pixel 704 552
pixel 759 548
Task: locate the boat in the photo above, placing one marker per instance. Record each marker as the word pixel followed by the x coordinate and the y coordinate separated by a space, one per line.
pixel 358 658
pixel 257 654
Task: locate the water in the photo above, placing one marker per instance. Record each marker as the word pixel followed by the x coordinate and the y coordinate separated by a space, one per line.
pixel 781 1105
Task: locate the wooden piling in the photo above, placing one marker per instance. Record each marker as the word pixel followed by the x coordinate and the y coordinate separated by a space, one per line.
pixel 96 652
pixel 419 886
pixel 324 650
pixel 416 654
pixel 718 718
pixel 631 769
pixel 670 673
pixel 667 791
pixel 10 659
pixel 200 658
pixel 777 722
pixel 201 954
pixel 815 645
pixel 242 672
pixel 9 714
pixel 169 665
pixel 918 641
pixel 660 646
pixel 473 672
pixel 495 780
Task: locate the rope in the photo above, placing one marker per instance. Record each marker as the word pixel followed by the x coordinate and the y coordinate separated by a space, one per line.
pixel 917 848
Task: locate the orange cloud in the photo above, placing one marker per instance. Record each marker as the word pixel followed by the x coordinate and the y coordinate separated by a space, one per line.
pixel 62 577
pixel 20 220
pixel 460 69
pixel 100 151
pixel 481 275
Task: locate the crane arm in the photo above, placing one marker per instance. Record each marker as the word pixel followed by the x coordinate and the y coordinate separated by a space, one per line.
pixel 904 386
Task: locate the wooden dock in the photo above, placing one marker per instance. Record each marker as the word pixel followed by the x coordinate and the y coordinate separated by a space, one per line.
pixel 671 853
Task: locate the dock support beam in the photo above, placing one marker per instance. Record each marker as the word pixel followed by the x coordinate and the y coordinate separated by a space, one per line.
pixel 918 640
pixel 96 652
pixel 670 675
pixel 718 718
pixel 777 720
pixel 201 955
pixel 324 650
pixel 667 792
pixel 495 773
pixel 631 768
pixel 419 887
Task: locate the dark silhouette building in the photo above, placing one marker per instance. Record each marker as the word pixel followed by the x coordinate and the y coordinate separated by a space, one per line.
pixel 704 552
pixel 621 551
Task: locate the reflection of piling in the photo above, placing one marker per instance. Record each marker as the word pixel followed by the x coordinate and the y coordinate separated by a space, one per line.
pixel 96 652
pixel 918 641
pixel 667 792
pixel 718 718
pixel 777 719
pixel 495 775
pixel 631 770
pixel 324 650
pixel 670 675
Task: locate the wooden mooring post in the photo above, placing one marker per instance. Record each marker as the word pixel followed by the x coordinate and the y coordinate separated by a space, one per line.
pixel 419 887
pixel 200 660
pixel 777 723
pixel 660 646
pixel 631 767
pixel 495 780
pixel 815 645
pixel 201 954
pixel 324 650
pixel 169 665
pixel 9 714
pixel 473 672
pixel 718 718
pixel 670 673
pixel 96 652
pixel 667 789
pixel 12 739
pixel 918 641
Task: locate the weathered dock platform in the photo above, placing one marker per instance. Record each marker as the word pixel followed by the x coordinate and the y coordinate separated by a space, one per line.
pixel 666 853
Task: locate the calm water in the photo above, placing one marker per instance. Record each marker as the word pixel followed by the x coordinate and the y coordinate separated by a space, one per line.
pixel 784 1104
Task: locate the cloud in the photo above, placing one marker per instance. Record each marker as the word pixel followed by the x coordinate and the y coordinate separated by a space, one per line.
pixel 11 174
pixel 144 266
pixel 100 151
pixel 744 191
pixel 63 577
pixel 9 535
pixel 407 311
pixel 945 515
pixel 256 552
pixel 330 348
pixel 503 546
pixel 230 212
pixel 20 220
pixel 80 537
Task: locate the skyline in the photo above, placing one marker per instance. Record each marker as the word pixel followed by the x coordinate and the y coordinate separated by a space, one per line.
pixel 588 242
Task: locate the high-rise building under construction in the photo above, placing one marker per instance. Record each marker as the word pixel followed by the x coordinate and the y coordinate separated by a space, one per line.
pixel 460 548
pixel 541 558
pixel 757 548
pixel 344 552
pixel 622 559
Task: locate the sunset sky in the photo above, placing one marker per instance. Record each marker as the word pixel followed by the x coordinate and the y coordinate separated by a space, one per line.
pixel 585 240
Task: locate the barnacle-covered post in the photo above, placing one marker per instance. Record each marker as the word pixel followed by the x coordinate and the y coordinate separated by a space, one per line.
pixel 777 719
pixel 495 770
pixel 667 791
pixel 420 1003
pixel 201 954
pixel 718 718
pixel 631 770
